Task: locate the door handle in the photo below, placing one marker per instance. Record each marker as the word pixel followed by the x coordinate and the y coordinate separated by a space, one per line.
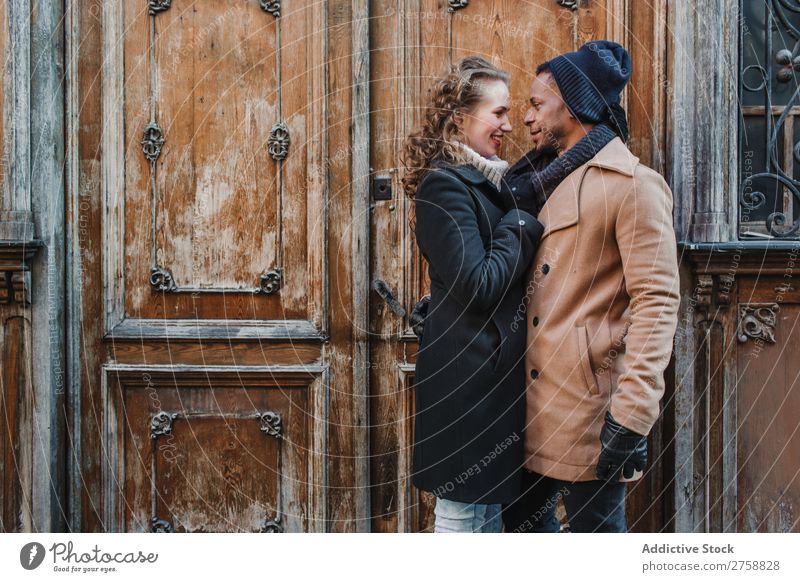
pixel 382 289
pixel 417 317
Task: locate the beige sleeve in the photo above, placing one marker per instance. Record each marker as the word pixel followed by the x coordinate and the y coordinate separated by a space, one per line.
pixel 647 246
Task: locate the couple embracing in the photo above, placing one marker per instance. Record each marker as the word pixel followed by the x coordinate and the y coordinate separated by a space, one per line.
pixel 554 298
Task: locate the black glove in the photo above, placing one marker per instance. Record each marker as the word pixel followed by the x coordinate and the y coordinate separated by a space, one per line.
pixel 623 451
pixel 417 317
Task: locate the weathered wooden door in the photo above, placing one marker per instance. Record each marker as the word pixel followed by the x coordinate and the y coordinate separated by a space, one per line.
pixel 220 266
pixel 412 42
pixel 233 192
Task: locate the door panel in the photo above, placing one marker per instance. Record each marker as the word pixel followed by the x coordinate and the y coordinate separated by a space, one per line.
pixel 203 234
pixel 218 450
pixel 209 85
pixel 211 214
pixel 767 393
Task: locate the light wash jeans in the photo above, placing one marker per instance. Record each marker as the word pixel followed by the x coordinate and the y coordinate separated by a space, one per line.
pixel 458 517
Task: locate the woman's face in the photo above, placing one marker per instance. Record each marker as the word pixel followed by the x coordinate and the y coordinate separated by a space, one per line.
pixel 485 126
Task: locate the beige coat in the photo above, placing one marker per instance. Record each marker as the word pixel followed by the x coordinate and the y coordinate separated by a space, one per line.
pixel 602 302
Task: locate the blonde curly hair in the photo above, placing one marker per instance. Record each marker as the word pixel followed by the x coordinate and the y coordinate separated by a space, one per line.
pixel 457 92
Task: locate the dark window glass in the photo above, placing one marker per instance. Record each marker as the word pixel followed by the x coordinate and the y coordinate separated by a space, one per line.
pixel 769 128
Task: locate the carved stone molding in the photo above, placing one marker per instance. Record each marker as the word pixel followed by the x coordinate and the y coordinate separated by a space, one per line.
pixel 757 322
pixel 15 276
pixel 271 6
pixel 736 259
pixel 20 287
pixel 279 140
pixel 16 225
pixel 712 293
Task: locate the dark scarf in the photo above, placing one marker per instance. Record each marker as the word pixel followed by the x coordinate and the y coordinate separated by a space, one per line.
pixel 542 172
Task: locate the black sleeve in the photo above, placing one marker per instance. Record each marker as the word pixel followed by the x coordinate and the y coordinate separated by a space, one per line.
pixel 447 234
pixel 518 192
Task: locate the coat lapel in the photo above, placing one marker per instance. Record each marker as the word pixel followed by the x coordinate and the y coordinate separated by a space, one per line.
pixel 562 208
pixel 471 175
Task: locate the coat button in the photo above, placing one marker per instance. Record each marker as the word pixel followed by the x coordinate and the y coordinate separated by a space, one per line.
pixel 534 374
pixel 535 321
pixel 545 268
pixel 522 223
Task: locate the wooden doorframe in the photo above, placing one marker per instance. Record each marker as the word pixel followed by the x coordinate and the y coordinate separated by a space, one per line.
pixel 705 210
pixel 32 262
pixel 360 179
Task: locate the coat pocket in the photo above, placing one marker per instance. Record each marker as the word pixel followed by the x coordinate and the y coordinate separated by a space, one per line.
pixel 586 364
pixel 499 346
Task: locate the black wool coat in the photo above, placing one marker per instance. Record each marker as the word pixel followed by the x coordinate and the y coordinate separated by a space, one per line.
pixel 470 385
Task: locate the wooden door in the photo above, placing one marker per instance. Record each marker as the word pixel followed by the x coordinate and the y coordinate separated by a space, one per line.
pixel 412 42
pixel 218 350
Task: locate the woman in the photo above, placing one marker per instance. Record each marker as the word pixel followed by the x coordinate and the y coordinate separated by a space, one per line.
pixel 470 386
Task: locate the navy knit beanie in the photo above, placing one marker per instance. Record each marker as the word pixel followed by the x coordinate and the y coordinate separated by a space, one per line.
pixel 592 78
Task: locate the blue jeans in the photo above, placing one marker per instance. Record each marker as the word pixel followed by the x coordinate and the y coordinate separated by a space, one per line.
pixel 458 517
pixel 592 506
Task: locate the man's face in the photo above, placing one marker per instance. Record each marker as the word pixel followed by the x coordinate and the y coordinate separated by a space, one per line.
pixel 547 118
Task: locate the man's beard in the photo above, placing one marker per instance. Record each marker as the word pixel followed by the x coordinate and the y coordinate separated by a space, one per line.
pixel 547 149
pixel 550 146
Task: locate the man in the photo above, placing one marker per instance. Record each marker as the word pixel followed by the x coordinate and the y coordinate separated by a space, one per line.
pixel 602 296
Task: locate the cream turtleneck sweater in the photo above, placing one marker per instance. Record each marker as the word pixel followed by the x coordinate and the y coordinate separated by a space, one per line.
pixel 493 168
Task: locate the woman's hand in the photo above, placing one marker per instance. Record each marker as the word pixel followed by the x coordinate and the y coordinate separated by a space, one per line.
pixel 517 192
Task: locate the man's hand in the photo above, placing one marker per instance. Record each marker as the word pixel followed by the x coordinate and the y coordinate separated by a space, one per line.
pixel 623 451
